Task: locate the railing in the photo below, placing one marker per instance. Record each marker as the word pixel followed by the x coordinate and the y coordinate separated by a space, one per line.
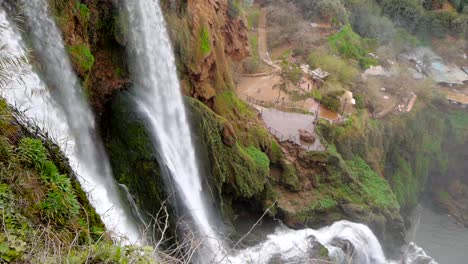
pixel 286 107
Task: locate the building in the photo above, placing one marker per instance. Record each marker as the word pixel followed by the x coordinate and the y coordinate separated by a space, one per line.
pixel 318 75
pixel 428 64
pixel 457 98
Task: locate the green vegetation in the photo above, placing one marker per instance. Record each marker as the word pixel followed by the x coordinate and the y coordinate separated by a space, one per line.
pixel 205 41
pixel 229 106
pixel 253 40
pixel 46 217
pixel 459 122
pixel 260 158
pixel 338 68
pixel 60 202
pixel 375 187
pixel 81 56
pixel 331 102
pixel 329 10
pixel 83 13
pixel 351 45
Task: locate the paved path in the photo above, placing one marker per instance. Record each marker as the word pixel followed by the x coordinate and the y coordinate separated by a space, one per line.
pixel 262 42
pixel 285 126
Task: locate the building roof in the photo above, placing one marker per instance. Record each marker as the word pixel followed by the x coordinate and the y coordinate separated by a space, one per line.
pixel 319 73
pixel 447 74
pixel 457 97
pixel 376 71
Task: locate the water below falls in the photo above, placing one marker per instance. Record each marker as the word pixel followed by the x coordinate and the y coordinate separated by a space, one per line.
pixel 440 235
pixel 57 106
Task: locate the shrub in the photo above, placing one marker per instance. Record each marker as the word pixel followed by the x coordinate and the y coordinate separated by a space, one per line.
pixel 252 17
pixel 331 102
pixel 405 13
pixel 366 20
pixel 81 56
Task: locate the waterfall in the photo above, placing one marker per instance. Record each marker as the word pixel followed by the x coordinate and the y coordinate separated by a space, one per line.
pixel 158 95
pixel 58 107
pixel 152 66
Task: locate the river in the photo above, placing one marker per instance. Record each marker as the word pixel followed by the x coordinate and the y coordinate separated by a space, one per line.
pixel 439 235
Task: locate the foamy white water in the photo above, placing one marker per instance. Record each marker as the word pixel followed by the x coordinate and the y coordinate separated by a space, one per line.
pixel 58 107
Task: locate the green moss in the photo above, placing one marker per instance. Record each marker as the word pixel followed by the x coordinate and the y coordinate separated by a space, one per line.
pixel 205 41
pixel 260 158
pixel 375 188
pixel 275 154
pixel 289 177
pixel 81 56
pixel 228 105
pixel 245 171
pixel 133 157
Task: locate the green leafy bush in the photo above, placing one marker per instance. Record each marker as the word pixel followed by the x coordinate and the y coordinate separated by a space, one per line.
pixel 82 56
pixel 32 151
pixel 331 102
pixel 253 16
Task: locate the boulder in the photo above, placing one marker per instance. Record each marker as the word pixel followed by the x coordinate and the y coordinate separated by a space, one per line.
pixel 306 136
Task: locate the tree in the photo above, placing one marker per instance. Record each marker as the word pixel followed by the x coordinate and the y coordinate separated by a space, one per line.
pixel 405 13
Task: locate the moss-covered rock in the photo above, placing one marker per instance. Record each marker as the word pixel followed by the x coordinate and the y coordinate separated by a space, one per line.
pixel 236 170
pixel 134 158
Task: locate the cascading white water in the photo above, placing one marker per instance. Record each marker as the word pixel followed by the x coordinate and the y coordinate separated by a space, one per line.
pixel 158 95
pixel 58 107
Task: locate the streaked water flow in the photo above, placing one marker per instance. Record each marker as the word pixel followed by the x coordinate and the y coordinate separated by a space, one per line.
pixel 58 107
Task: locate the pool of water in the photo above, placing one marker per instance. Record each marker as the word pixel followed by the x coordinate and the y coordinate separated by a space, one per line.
pixel 439 235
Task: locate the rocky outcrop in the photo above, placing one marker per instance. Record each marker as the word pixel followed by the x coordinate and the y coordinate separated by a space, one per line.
pixel 207 36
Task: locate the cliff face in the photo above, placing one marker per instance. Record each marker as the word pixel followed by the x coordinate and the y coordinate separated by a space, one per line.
pixel 372 171
pixel 208 36
pixel 244 162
